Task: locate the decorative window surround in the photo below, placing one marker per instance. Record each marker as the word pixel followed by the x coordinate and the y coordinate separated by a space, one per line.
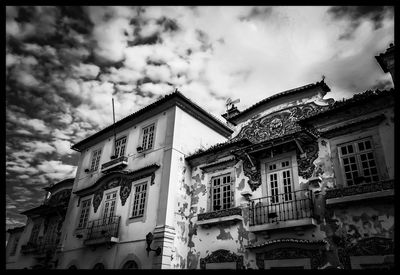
pixel 231 215
pixel 125 179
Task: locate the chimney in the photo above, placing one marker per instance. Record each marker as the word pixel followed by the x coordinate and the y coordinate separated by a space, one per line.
pixel 386 61
pixel 233 111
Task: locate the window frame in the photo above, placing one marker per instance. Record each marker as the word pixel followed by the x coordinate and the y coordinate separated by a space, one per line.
pixel 293 167
pixel 113 191
pixel 92 158
pixel 140 144
pixel 356 154
pixel 80 213
pixel 373 133
pixel 220 175
pixel 121 136
pixel 132 199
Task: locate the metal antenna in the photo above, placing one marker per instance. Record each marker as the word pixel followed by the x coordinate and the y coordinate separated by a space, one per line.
pixel 115 138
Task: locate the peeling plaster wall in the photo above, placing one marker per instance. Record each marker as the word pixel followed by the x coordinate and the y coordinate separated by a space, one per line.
pixel 350 222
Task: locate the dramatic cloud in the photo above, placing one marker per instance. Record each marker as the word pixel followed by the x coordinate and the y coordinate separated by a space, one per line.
pixel 65 64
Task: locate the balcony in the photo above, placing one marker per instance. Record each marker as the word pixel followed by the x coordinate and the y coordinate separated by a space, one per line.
pixel 360 192
pixel 103 231
pixel 30 247
pixel 114 164
pixel 231 216
pixel 294 209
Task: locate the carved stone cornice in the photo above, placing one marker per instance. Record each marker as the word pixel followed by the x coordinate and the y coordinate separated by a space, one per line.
pixel 279 123
pixel 222 256
pixel 316 255
pixel 219 213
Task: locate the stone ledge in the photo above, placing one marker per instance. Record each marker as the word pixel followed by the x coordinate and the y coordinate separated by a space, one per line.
pixel 358 197
pixel 283 224
pixel 227 219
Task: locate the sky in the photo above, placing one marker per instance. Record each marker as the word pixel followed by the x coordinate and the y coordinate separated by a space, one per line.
pixel 65 64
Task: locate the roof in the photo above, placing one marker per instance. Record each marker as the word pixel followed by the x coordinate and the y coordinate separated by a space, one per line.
pixel 175 98
pixel 59 184
pixel 356 99
pixel 321 84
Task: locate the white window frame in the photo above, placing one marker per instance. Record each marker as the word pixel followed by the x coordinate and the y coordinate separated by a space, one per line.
pixel 358 162
pixel 117 155
pixel 146 146
pixel 113 199
pixel 140 198
pixel 87 213
pixel 132 199
pixel 95 159
pixel 231 183
pixel 284 191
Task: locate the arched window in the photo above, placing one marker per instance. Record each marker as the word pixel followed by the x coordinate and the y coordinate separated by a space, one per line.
pixel 98 266
pixel 130 265
pixel 72 267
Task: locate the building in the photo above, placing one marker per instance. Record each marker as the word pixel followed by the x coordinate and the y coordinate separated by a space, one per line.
pixel 296 181
pixel 128 185
pixel 386 61
pixel 35 245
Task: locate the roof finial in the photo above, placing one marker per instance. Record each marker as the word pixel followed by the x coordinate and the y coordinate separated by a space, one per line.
pixel 323 78
pixel 176 90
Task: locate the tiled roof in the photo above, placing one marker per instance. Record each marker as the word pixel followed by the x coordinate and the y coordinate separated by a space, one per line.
pixel 284 93
pixel 354 100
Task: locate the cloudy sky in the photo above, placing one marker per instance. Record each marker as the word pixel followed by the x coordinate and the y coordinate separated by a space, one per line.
pixel 65 64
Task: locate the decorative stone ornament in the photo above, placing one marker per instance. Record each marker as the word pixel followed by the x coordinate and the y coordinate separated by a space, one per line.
pixel 222 256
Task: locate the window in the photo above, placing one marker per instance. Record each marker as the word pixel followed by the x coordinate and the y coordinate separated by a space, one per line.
pixel 139 200
pixel 148 137
pixel 14 246
pixel 83 219
pixel 358 162
pixel 280 181
pixel 222 193
pixel 51 232
pixel 35 233
pixel 95 160
pixel 120 147
pixel 109 206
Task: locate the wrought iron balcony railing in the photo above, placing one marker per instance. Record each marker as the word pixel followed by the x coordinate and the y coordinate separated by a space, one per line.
pixel 281 207
pixel 105 228
pixel 115 164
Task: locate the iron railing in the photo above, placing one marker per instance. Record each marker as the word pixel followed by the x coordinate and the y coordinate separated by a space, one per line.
pixel 281 207
pixel 120 160
pixel 103 228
